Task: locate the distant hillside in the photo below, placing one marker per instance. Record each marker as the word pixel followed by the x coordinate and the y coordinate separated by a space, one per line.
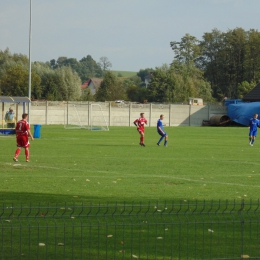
pixel 124 73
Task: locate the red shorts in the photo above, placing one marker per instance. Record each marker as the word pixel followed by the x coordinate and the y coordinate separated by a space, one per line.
pixel 22 141
pixel 140 130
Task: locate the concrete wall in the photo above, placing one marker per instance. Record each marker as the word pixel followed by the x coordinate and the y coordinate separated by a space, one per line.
pixel 83 113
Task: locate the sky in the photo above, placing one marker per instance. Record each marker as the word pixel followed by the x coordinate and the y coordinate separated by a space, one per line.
pixel 132 34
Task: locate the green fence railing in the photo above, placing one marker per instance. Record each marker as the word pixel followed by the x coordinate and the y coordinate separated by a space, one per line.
pixel 183 230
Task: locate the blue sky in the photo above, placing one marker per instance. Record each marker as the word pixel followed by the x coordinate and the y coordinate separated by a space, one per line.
pixel 132 34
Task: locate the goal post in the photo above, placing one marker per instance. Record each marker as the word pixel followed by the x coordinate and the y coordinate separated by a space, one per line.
pixel 85 116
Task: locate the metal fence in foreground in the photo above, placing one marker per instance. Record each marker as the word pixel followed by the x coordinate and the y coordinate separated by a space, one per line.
pixel 184 230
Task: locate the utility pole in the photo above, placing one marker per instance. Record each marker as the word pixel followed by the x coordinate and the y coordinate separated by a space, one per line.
pixel 30 65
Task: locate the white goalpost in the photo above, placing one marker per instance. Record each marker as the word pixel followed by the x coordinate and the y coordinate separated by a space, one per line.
pixel 85 116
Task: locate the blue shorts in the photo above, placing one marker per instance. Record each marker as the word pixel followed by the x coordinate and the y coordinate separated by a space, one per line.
pixel 253 133
pixel 161 134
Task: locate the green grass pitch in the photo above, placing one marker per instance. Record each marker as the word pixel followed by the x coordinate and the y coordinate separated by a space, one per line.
pixel 200 163
pixel 80 167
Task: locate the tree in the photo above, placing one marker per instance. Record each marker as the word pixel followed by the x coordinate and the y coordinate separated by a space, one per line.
pixel 110 89
pixel 187 50
pixel 136 94
pixel 230 58
pixel 87 96
pixel 15 82
pixel 49 81
pixel 60 84
pixel 144 72
pixel 104 64
pixel 132 81
pixel 244 88
pixel 86 67
pixel 69 84
pixel 177 84
pixel 89 68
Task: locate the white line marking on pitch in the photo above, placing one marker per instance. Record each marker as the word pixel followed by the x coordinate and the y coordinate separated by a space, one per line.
pixel 138 176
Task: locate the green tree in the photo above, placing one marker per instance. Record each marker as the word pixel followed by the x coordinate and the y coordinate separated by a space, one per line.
pixel 87 96
pixel 230 58
pixel 60 84
pixel 89 68
pixel 136 94
pixel 86 67
pixel 158 86
pixel 144 72
pixel 110 89
pixel 14 82
pixel 69 84
pixel 49 81
pixel 187 50
pixel 178 83
pixel 244 88
pixel 252 64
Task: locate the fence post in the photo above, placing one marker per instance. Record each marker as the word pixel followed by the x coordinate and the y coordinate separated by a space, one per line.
pixel 170 108
pixel 189 113
pixel 88 114
pixel 150 115
pixel 130 112
pixel 109 113
pixel 46 113
pixel 67 112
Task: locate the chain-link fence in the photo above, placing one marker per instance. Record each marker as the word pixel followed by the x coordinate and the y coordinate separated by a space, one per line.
pixel 184 230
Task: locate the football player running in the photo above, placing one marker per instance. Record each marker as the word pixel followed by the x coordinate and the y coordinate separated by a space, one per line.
pixel 139 123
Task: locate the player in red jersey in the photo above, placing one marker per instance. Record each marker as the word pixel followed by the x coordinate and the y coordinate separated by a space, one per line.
pixel 22 137
pixel 140 127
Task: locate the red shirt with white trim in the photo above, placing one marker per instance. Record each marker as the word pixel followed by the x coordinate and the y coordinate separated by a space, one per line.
pixel 22 128
pixel 140 123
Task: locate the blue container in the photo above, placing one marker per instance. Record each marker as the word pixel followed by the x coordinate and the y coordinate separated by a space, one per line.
pixel 233 101
pixel 37 131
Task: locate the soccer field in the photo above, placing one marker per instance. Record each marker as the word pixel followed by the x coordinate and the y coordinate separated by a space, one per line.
pixel 200 163
pixel 100 195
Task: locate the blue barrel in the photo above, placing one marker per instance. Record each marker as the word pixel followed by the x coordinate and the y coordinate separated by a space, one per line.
pixel 37 131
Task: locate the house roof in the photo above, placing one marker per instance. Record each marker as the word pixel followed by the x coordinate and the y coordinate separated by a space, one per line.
pixel 85 84
pixel 149 76
pixel 253 95
pixel 95 81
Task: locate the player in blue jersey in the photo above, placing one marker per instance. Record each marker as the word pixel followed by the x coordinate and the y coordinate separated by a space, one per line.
pixel 161 131
pixel 253 124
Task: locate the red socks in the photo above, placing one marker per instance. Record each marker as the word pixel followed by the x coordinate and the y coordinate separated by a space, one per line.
pixel 27 154
pixel 17 152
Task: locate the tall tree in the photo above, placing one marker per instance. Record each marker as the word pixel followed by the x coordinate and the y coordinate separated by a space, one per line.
pixel 104 63
pixel 187 50
pixel 69 84
pixel 89 68
pixel 230 58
